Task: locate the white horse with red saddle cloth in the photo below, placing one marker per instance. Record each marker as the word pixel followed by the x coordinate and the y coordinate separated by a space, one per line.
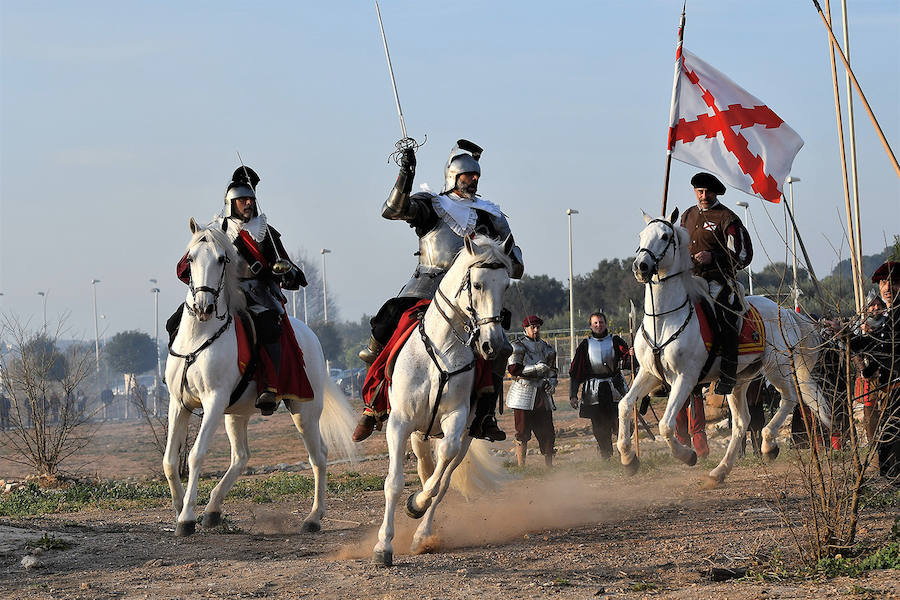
pixel 431 388
pixel 202 371
pixel 670 348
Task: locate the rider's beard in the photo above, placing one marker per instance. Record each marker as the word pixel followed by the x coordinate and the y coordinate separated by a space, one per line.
pixel 467 190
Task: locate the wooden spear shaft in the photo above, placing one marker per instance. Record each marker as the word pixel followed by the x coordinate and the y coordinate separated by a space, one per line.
pixel 670 142
pixel 884 142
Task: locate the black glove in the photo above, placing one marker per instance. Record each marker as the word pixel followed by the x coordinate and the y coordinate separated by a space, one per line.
pixel 408 161
pixel 293 279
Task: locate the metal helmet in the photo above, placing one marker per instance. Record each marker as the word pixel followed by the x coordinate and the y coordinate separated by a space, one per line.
pixel 463 159
pixel 243 185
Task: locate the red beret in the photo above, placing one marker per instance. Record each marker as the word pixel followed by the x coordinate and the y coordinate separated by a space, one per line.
pixel 889 270
pixel 532 320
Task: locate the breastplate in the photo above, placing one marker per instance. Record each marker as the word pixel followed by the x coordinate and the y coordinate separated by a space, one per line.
pixel 602 356
pixel 537 351
pixel 439 247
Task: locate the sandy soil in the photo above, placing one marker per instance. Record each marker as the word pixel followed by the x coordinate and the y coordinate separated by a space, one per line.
pixel 581 531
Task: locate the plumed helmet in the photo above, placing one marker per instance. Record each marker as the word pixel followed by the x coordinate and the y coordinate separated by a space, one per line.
pixel 243 185
pixel 708 181
pixel 463 159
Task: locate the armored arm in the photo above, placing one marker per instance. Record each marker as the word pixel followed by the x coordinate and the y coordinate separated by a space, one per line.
pixel 503 231
pixel 398 205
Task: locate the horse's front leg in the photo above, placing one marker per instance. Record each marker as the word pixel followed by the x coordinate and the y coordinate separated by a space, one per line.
pixel 396 432
pixel 681 390
pixel 423 532
pixel 212 417
pixel 179 418
pixel 306 419
pixel 424 459
pixel 643 384
pixel 236 428
pixel 740 420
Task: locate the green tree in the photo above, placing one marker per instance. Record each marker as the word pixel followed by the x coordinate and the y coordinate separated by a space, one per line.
pixel 130 352
pixel 332 343
pixel 535 294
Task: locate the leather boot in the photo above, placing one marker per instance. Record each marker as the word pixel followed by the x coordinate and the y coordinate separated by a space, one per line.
pixel 727 374
pixel 484 425
pixel 371 351
pixel 521 451
pixel 729 350
pixel 548 461
pixel 267 403
pixel 364 428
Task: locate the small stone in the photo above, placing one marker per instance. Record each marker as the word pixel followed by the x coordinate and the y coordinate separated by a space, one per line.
pixel 32 562
pixel 85 585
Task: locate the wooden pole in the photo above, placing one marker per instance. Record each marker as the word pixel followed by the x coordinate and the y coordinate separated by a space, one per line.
pixel 884 142
pixel 673 113
pixel 851 124
pixel 840 130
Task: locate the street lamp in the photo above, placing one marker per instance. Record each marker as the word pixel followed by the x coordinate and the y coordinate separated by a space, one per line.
pixel 44 295
pixel 324 251
pixel 790 181
pixel 570 212
pixel 94 283
pixel 746 208
pixel 155 291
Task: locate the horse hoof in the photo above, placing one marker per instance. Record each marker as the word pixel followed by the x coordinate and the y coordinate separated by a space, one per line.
pixel 709 482
pixel 692 459
pixel 411 509
pixel 185 529
pixel 772 454
pixel 211 519
pixel 633 467
pixel 383 558
pixel 310 527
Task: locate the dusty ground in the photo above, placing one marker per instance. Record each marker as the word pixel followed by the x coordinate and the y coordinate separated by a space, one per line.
pixel 583 531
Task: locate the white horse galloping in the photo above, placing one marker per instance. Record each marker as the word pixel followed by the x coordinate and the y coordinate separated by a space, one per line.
pixel 671 328
pixel 202 371
pixel 432 385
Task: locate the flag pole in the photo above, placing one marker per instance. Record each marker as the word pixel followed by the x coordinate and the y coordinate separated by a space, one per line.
pixel 844 179
pixel 884 142
pixel 676 84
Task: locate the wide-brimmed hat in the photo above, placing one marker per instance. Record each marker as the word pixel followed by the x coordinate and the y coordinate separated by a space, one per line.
pixel 889 270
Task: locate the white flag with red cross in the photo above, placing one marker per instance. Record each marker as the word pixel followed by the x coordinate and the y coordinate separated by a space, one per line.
pixel 718 126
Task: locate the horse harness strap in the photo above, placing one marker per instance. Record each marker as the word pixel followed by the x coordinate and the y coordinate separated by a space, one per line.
pixel 190 357
pixel 658 348
pixel 444 376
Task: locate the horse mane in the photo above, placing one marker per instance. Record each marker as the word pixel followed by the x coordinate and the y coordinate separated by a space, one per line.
pixel 234 296
pixel 488 250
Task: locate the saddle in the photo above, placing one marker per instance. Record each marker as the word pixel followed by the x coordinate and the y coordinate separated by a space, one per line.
pixel 752 337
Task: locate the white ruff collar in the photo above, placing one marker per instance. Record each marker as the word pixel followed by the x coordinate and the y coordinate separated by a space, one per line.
pixel 256 227
pixel 460 213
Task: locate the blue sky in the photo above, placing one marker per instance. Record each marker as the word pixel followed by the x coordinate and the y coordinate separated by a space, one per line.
pixel 120 120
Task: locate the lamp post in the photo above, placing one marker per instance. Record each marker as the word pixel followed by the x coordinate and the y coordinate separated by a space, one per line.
pixel 324 251
pixel 746 208
pixel 155 291
pixel 94 283
pixel 44 296
pixel 570 212
pixel 796 291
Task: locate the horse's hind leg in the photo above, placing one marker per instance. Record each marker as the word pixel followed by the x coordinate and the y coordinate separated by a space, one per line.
pixel 236 428
pixel 179 418
pixel 212 416
pixel 396 433
pixel 307 423
pixel 785 386
pixel 740 418
pixel 424 458
pixel 423 531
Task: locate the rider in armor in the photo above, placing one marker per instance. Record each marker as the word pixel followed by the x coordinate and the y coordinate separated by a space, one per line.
pixel 597 370
pixel 720 246
pixel 440 222
pixel 533 366
pixel 265 270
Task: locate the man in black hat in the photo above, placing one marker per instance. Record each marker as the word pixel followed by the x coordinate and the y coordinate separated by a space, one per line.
pixel 879 346
pixel 720 246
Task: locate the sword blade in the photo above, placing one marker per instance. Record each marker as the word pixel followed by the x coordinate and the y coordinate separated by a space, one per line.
pixel 387 55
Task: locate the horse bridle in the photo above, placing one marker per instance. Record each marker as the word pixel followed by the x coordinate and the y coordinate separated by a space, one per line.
pixel 471 322
pixel 672 241
pixel 205 288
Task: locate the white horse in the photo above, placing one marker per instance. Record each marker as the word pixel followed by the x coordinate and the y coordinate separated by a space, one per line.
pixel 206 373
pixel 670 324
pixel 432 385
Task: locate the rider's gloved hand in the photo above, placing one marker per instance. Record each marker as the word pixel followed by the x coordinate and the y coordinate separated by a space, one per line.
pixel 408 160
pixel 293 279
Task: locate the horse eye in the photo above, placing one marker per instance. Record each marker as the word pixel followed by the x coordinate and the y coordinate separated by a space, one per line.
pixel 665 237
pixel 477 286
pixel 190 259
pixel 221 259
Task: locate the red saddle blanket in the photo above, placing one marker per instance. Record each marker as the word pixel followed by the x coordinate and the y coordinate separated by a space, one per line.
pixel 753 333
pixel 290 382
pixel 378 378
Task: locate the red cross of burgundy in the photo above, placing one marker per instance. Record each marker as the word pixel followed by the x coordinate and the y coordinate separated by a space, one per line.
pixel 723 121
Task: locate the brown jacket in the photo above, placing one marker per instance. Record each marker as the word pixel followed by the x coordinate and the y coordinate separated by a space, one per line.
pixel 720 232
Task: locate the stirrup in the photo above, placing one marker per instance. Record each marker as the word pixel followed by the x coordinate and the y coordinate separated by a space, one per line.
pixel 267 403
pixel 371 351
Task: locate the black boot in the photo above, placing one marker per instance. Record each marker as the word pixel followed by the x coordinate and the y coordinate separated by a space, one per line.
pixel 728 352
pixel 267 403
pixel 484 425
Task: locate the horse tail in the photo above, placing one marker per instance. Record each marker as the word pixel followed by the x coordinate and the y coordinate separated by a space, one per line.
pixel 337 421
pixel 805 357
pixel 480 471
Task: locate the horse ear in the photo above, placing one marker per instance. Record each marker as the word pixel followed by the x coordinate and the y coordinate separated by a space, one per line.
pixel 508 245
pixel 194 226
pixel 674 216
pixel 647 218
pixel 470 245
